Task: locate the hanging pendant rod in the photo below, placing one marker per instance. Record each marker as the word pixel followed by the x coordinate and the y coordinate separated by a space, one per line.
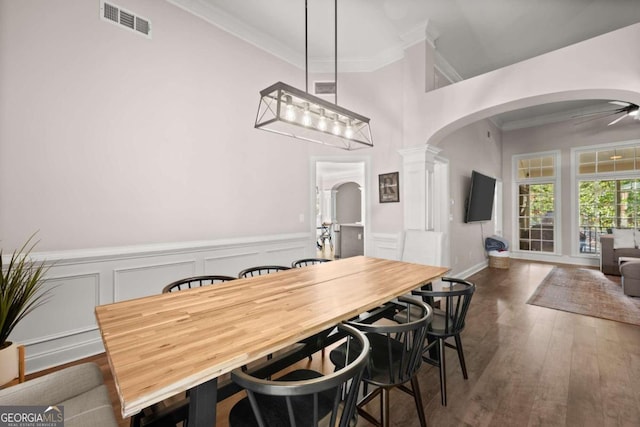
pixel 306 47
pixel 288 111
pixel 335 48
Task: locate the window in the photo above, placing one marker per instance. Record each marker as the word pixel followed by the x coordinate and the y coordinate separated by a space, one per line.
pixel 536 183
pixel 608 192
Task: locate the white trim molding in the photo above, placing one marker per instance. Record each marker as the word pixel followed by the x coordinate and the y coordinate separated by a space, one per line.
pixel 556 180
pixel 418 165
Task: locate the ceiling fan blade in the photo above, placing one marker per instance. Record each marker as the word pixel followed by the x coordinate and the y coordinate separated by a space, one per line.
pixel 599 117
pixel 620 103
pixel 617 120
pixel 595 113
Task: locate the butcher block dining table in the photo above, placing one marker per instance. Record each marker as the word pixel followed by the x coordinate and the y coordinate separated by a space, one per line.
pixel 162 345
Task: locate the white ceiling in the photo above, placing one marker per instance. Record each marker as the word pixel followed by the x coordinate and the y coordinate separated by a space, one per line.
pixel 473 36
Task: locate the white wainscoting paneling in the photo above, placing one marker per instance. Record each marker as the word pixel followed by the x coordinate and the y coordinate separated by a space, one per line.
pixel 285 255
pixel 230 264
pixel 142 281
pixel 386 245
pixel 64 329
pixel 69 307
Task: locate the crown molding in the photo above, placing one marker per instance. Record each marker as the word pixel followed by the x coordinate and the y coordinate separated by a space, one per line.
pixel 358 65
pixel 446 69
pixel 227 23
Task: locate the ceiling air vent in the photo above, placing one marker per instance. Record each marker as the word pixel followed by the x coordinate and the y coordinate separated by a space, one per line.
pixel 125 19
pixel 324 88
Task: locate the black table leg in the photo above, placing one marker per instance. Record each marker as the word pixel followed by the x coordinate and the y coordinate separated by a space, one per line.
pixel 202 404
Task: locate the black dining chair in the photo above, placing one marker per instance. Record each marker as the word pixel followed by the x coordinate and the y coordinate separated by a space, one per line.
pixel 308 261
pixel 395 356
pixel 448 321
pixel 303 397
pixel 261 270
pixel 194 282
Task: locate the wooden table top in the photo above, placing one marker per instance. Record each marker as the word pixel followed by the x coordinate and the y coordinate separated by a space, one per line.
pixel 162 345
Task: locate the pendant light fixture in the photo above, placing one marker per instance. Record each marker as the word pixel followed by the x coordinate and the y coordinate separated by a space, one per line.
pixel 293 112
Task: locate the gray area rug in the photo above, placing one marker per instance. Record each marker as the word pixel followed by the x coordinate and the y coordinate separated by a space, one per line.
pixel 586 291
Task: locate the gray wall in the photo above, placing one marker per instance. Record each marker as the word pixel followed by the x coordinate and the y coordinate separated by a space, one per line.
pixel 475 147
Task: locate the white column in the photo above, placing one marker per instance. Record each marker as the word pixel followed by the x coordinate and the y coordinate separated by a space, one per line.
pixel 417 186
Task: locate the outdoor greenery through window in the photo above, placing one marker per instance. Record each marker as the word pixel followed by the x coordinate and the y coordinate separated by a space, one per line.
pixel 608 193
pixel 536 180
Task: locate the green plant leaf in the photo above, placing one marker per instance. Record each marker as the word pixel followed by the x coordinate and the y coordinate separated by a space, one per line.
pixel 21 288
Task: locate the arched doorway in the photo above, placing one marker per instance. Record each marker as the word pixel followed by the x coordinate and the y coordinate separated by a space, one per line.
pixel 340 198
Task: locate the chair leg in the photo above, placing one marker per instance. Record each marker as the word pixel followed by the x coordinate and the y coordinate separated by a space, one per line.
pixel 433 351
pixel 463 366
pixel 443 372
pixel 417 396
pixel 135 420
pixel 384 407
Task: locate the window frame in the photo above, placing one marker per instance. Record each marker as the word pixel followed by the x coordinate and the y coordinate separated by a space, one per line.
pixel 576 177
pixel 555 179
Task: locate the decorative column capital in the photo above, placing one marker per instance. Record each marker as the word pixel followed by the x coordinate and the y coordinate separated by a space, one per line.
pixel 419 154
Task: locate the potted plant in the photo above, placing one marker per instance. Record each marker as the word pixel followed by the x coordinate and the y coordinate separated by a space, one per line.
pixel 21 292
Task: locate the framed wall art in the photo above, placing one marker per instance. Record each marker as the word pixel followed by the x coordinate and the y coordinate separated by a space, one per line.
pixel 389 187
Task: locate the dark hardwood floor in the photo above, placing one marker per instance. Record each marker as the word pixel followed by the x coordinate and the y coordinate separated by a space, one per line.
pixel 527 365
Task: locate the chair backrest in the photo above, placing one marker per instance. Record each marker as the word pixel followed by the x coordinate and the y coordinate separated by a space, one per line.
pixel 308 261
pixel 195 282
pixel 456 299
pixel 260 270
pixel 396 348
pixel 311 401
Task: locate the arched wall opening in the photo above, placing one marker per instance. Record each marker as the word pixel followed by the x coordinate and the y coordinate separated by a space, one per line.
pixel 604 67
pixel 516 104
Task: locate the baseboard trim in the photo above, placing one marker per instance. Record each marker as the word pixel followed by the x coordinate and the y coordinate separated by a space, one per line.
pixel 62 355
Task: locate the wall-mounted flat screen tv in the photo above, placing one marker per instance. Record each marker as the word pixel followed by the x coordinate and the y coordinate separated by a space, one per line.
pixel 480 202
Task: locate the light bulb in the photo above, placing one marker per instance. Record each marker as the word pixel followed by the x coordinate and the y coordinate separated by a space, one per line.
pixel 306 116
pixel 322 122
pixel 336 126
pixel 348 131
pixel 290 112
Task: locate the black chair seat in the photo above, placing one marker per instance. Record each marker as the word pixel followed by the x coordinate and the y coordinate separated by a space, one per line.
pixel 274 408
pixel 394 357
pixel 438 324
pixel 303 397
pixel 455 298
pixel 377 370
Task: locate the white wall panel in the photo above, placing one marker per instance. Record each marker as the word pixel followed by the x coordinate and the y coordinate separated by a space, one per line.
pixel 283 255
pixel 68 309
pixel 149 279
pixel 230 264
